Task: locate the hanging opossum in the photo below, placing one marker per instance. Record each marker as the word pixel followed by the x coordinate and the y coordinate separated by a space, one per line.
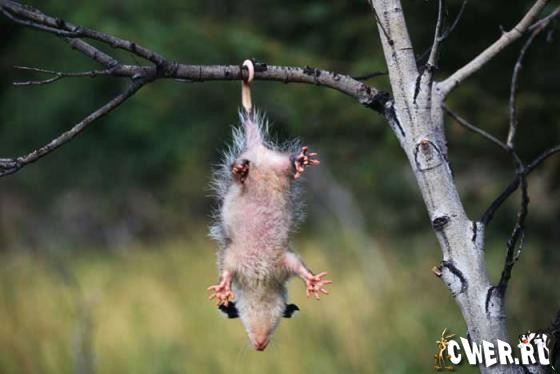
pixel 259 207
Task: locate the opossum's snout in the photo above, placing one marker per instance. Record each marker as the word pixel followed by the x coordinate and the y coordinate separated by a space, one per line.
pixel 260 342
pixel 260 332
pixel 260 315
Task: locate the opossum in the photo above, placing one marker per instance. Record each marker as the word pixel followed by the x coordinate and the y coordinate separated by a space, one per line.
pixel 259 206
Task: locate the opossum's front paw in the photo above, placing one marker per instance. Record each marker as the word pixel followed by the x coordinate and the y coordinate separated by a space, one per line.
pixel 240 170
pixel 302 160
pixel 316 285
pixel 221 292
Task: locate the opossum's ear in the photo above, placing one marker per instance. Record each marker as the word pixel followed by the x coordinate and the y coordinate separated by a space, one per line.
pixel 290 310
pixel 229 310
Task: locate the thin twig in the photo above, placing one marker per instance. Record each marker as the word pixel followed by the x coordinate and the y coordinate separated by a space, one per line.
pixel 58 75
pixel 515 77
pixel 36 19
pixel 518 233
pixel 10 166
pixel 420 59
pixel 545 20
pixel 463 122
pixel 512 187
pixel 451 28
pixel 432 59
pixel 365 77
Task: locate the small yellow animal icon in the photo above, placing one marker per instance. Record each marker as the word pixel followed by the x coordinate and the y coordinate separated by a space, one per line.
pixel 439 358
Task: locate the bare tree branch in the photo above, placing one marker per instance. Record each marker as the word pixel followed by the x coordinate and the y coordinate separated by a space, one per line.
pixel 443 37
pixel 366 95
pixel 91 52
pixel 546 20
pixel 463 122
pixel 143 74
pixel 432 59
pixel 12 165
pixel 34 18
pixel 517 236
pixel 514 185
pixel 535 30
pixel 489 53
pixel 455 22
pixel 56 75
pixel 365 77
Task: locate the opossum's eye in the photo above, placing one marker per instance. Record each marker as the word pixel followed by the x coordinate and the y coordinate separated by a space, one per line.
pixel 229 310
pixel 290 310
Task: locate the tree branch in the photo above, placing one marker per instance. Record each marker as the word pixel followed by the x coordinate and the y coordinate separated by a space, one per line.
pixel 489 53
pixel 518 233
pixel 432 59
pixel 463 122
pixel 514 185
pixel 31 17
pixel 455 22
pixel 12 165
pixel 443 37
pixel 535 30
pixel 56 75
pixel 366 95
pixel 91 52
pixel 143 74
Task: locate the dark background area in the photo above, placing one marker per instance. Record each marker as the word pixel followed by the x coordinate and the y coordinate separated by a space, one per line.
pixel 137 180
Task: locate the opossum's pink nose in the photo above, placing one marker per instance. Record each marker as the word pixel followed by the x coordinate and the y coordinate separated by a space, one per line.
pixel 260 343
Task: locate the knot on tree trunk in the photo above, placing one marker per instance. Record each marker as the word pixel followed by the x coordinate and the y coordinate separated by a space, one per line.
pixel 453 278
pixel 427 155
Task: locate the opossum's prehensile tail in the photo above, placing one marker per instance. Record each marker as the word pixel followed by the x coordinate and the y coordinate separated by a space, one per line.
pixel 253 123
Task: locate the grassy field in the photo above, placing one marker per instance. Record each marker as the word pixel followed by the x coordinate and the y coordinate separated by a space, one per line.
pixel 145 310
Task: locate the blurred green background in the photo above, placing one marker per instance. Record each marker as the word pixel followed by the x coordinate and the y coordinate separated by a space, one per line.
pixel 104 259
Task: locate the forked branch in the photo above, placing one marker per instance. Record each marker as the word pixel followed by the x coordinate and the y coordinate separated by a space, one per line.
pixel 163 68
pixel 489 53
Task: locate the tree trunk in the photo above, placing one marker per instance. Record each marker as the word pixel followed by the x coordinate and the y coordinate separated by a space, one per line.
pixel 416 117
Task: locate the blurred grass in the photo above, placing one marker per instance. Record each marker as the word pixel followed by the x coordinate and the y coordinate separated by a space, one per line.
pixel 149 314
pixel 144 310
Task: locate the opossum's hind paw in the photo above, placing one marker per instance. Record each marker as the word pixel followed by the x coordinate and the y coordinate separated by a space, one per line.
pixel 222 293
pixel 240 170
pixel 302 160
pixel 316 285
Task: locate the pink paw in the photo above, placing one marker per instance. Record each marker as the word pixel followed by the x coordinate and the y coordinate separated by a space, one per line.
pixel 221 292
pixel 302 160
pixel 240 170
pixel 316 285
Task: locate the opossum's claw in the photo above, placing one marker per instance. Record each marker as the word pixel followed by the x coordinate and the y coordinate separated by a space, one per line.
pixel 221 292
pixel 240 170
pixel 316 285
pixel 303 159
